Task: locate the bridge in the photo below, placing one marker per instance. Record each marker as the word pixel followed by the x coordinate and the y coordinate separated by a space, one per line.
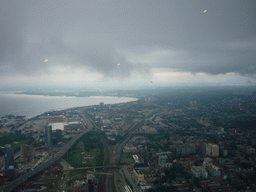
pixel 97 167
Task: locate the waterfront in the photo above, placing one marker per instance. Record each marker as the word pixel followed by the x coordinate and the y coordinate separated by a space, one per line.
pixel 31 105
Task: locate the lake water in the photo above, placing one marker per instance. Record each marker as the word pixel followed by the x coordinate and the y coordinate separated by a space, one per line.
pixel 32 105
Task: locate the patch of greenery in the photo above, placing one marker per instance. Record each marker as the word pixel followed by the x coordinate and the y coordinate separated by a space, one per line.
pixel 88 154
pixel 15 146
pixel 7 138
pixel 10 138
pixel 176 171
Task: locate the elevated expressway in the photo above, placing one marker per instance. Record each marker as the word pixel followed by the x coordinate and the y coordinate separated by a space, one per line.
pixel 12 185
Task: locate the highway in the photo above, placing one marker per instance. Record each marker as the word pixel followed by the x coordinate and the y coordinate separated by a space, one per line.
pixel 114 158
pixel 11 186
pixel 97 167
pixel 132 131
pixel 117 157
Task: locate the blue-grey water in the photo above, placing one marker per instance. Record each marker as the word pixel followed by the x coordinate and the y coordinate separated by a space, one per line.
pixel 31 105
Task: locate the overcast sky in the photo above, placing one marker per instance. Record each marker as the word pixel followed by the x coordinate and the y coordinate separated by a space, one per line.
pixel 122 42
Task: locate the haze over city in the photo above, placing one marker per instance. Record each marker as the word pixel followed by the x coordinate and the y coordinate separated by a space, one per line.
pixel 127 95
pixel 127 43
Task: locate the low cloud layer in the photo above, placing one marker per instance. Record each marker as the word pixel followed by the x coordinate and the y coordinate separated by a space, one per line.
pixel 119 38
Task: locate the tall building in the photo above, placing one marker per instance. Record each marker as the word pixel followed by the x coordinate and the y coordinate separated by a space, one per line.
pixel 48 136
pixel 59 135
pixel 8 156
pixel 92 183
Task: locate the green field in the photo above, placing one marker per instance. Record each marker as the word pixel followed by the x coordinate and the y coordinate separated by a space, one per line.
pixel 88 152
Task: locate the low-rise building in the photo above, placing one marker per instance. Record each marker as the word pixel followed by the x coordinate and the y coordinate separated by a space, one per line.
pixel 199 172
pixel 26 152
pixel 212 150
pixel 213 170
pixel 162 160
pixel 138 175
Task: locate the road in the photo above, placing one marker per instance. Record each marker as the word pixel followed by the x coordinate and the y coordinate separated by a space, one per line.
pixel 11 186
pixel 109 161
pixel 120 185
pixel 132 131
pixel 114 157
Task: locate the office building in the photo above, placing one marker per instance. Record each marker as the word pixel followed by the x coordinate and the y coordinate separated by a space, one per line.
pixel 8 157
pixel 48 136
pixel 58 135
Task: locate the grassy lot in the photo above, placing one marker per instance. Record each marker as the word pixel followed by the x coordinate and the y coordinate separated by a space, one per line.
pixel 81 158
pixel 89 155
pixel 15 146
pixel 14 140
pixel 157 137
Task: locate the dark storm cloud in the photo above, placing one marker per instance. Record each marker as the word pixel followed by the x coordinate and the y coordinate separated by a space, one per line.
pixel 90 33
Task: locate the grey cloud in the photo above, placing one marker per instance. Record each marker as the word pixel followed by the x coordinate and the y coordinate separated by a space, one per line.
pixel 89 33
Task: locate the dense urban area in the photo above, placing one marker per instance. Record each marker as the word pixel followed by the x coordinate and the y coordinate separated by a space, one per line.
pixel 190 139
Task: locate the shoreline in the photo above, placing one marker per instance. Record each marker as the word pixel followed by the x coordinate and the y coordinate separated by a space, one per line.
pixel 64 103
pixel 70 95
